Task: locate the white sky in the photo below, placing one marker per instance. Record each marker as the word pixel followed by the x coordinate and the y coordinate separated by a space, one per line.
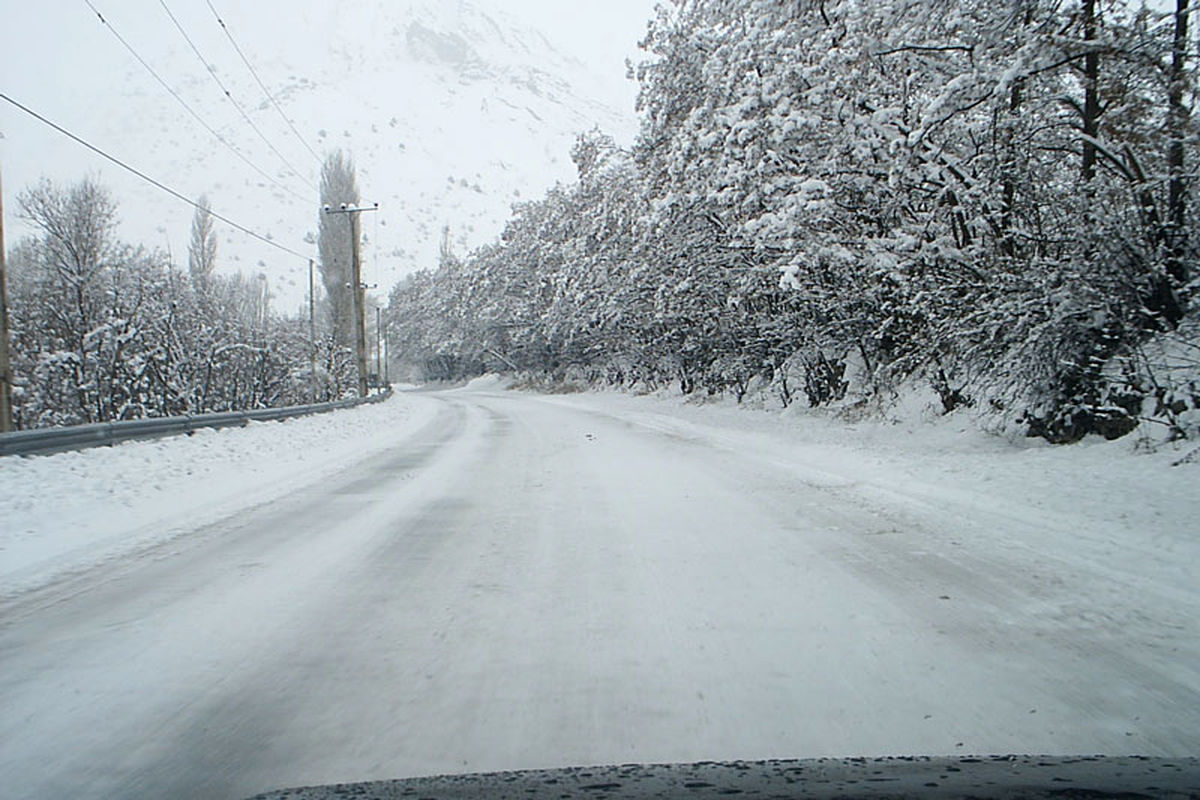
pixel 56 57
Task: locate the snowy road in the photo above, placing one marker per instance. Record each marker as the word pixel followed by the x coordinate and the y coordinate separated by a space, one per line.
pixel 523 582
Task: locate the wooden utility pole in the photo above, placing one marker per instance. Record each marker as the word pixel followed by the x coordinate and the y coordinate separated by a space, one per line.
pixel 6 376
pixel 312 333
pixel 360 330
pixel 378 343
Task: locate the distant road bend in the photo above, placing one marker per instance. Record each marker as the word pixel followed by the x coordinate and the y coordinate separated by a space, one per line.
pixel 530 582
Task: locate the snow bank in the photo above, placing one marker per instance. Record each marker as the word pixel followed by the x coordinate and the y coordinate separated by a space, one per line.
pixel 486 383
pixel 67 511
pixel 1130 515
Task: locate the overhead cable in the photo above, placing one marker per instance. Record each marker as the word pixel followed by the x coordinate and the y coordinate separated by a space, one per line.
pixel 192 111
pixel 229 95
pixel 262 85
pixel 148 179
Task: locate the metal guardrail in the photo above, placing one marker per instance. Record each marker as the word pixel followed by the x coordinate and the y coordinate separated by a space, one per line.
pixel 41 441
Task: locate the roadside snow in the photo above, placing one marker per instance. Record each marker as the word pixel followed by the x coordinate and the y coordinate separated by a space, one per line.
pixel 67 511
pixel 486 383
pixel 538 580
pixel 1129 516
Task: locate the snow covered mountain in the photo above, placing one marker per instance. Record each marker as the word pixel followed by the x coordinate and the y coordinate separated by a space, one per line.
pixel 451 110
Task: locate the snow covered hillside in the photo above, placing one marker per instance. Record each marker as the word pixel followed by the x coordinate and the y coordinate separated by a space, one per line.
pixel 452 111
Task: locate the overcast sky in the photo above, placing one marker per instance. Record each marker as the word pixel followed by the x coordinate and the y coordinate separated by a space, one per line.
pixel 53 51
pixel 56 57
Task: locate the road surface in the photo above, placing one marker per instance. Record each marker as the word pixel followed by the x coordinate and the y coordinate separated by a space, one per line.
pixel 525 583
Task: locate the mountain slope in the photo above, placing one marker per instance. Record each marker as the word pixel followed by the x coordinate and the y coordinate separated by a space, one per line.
pixel 451 111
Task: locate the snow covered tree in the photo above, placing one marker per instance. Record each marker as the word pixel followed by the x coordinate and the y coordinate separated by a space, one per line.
pixel 338 187
pixel 202 246
pixel 845 197
pixel 67 272
pixel 106 330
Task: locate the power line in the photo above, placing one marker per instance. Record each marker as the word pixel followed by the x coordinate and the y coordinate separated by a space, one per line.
pixel 261 85
pixel 190 110
pixel 231 98
pixel 148 179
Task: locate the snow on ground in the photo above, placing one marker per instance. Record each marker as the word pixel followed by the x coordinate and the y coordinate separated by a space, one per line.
pixel 1100 500
pixel 1119 522
pixel 67 511
pixel 524 581
pixel 1103 494
pixel 485 383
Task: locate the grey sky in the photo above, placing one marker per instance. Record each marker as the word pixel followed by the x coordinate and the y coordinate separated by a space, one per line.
pixel 59 59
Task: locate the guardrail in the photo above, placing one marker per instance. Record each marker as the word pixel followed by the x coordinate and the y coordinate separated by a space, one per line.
pixel 41 441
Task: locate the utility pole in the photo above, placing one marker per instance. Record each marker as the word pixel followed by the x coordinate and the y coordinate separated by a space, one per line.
pixel 360 331
pixel 312 334
pixel 6 376
pixel 378 343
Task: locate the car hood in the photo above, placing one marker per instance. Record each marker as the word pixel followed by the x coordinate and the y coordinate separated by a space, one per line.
pixel 895 777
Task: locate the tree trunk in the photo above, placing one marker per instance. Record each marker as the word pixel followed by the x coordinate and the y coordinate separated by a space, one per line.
pixel 1016 97
pixel 1091 91
pixel 1178 121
